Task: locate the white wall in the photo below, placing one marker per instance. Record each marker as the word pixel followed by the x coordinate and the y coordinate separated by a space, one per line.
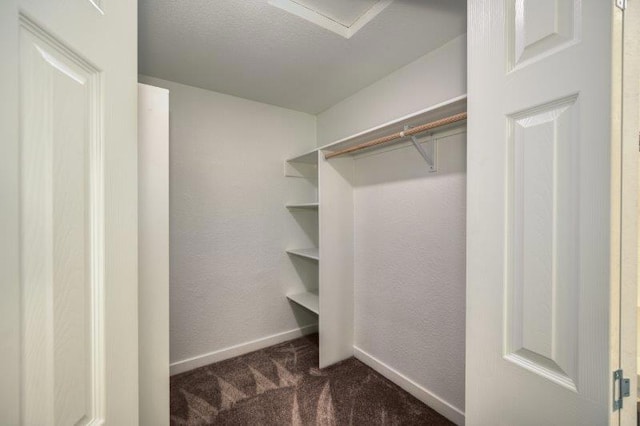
pixel 410 234
pixel 431 79
pixel 228 224
pixel 410 266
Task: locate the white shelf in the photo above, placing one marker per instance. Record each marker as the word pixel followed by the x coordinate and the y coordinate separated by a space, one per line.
pixel 311 253
pixel 302 166
pixel 449 107
pixel 433 113
pixel 305 206
pixel 310 157
pixel 307 300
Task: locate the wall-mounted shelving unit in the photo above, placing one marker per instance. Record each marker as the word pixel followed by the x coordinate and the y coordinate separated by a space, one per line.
pixel 305 167
pixel 333 300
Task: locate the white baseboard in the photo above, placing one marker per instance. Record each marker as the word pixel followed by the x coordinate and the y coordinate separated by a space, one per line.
pixel 429 398
pixel 241 349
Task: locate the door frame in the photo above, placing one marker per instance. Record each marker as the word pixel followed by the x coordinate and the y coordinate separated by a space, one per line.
pixel 626 93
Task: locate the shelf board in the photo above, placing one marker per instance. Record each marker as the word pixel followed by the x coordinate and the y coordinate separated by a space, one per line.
pixel 305 206
pixel 307 300
pixel 433 113
pixel 310 157
pixel 303 166
pixel 310 253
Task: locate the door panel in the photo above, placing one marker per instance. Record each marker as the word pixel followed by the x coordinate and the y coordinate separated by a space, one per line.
pixel 543 286
pixel 541 231
pixel 69 197
pixel 62 233
pixel 540 28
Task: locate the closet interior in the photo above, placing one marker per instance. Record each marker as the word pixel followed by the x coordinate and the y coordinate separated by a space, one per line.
pixel 322 192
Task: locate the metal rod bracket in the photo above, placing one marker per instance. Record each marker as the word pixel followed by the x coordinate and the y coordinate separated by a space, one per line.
pixel 430 153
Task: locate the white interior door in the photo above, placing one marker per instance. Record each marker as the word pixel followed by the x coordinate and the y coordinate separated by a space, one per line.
pixel 543 212
pixel 68 314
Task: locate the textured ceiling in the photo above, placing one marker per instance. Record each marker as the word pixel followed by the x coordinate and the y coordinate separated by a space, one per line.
pixel 256 51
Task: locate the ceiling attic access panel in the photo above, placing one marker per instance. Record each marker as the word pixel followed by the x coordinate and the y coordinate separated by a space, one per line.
pixel 341 17
pixel 343 12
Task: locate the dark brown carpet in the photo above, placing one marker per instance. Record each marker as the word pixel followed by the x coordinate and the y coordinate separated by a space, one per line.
pixel 282 385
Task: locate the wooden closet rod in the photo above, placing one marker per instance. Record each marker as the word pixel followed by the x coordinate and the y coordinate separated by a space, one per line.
pixel 400 135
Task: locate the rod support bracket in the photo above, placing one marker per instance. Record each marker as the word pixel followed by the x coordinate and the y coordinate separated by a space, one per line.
pixel 429 153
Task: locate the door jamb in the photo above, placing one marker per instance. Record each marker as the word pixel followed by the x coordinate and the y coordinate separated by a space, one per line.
pixel 625 127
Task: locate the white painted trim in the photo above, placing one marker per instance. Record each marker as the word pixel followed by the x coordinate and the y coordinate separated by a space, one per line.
pixel 311 16
pixel 368 16
pixel 425 395
pixel 241 349
pixel 327 23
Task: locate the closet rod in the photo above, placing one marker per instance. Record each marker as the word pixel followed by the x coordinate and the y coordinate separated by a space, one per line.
pixel 400 135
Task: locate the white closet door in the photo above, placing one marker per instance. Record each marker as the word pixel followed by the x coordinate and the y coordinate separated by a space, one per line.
pixel 542 213
pixel 68 313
